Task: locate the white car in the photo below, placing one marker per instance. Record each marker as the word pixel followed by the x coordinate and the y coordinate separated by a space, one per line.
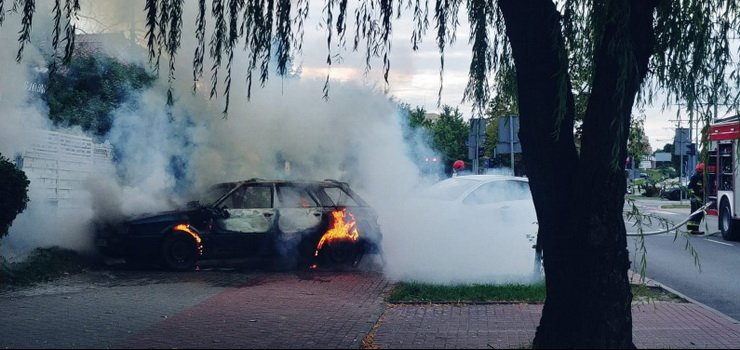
pixel 483 191
pixel 506 199
pixel 478 226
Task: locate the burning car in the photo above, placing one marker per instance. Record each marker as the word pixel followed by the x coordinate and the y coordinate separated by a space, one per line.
pixel 297 223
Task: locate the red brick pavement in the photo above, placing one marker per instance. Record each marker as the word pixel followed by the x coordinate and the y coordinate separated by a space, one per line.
pixel 331 310
pixel 656 325
pixel 312 310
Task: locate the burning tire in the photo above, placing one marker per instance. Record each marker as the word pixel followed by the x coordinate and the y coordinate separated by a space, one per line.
pixel 341 253
pixel 179 252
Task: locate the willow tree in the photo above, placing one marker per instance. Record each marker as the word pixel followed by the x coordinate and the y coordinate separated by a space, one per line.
pixel 618 52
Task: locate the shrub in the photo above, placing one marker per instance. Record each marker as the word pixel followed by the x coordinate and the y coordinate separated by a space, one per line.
pixel 13 194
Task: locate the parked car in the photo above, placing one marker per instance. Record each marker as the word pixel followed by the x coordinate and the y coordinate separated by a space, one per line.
pixel 503 202
pixel 672 189
pixel 674 193
pixel 297 223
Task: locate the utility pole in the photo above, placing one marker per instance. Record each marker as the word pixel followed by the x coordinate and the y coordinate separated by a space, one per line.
pixel 679 147
pixel 511 141
pixel 691 161
pixel 476 156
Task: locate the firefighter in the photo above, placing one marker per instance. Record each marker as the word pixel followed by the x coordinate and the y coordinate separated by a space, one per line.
pixel 696 187
pixel 457 166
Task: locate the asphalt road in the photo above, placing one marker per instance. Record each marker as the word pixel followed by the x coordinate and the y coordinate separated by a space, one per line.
pixel 709 276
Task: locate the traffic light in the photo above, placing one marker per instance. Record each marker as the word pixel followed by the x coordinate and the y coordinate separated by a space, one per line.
pixel 481 151
pixel 691 149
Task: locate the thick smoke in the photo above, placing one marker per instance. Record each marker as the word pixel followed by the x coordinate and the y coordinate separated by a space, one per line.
pixel 21 112
pixel 165 154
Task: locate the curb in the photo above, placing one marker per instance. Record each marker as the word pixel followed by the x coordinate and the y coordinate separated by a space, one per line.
pixel 691 300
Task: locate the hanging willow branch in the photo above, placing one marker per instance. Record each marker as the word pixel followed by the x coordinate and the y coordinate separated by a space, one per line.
pixel 446 18
pixel 216 45
pixel 164 20
pixel 480 13
pixel 173 42
pixel 200 45
pixel 693 61
pixel 283 36
pixel 151 26
pixel 421 23
pixel 29 7
pixel 234 10
pixel 2 12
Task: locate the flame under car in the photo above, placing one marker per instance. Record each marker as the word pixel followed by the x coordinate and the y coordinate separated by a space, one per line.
pixel 294 223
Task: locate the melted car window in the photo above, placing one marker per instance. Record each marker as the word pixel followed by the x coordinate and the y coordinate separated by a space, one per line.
pixel 215 193
pixel 294 197
pixel 250 197
pixel 339 197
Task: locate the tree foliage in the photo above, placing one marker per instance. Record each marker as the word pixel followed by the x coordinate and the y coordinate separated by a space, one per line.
pixel 13 193
pixel 449 133
pixel 89 88
pixel 638 145
pixel 692 63
pixel 446 134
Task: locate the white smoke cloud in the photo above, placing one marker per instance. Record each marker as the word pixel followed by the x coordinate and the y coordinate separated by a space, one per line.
pixel 18 89
pixel 164 154
pixel 21 112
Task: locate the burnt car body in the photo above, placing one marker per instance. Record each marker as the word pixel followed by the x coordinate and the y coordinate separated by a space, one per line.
pixel 286 221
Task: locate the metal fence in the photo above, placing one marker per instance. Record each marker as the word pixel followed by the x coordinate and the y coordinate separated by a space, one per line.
pixel 57 164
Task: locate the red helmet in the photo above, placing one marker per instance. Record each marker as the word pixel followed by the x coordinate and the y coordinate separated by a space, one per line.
pixel 700 167
pixel 458 164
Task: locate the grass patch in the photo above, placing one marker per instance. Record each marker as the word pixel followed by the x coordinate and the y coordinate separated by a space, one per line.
pixel 412 292
pixel 644 293
pixel 42 265
pixel 675 206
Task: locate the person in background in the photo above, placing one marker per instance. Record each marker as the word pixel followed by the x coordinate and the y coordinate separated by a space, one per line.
pixel 457 166
pixel 696 187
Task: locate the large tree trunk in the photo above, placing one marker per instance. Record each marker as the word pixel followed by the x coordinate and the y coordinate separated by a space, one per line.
pixel 580 197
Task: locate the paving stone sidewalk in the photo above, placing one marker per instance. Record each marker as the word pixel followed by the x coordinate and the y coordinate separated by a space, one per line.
pixel 309 310
pixel 657 325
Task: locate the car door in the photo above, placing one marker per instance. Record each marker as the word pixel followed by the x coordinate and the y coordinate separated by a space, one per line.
pixel 505 200
pixel 248 227
pixel 508 206
pixel 300 211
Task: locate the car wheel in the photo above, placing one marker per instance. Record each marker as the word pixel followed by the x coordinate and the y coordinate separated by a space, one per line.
pixel 179 252
pixel 725 221
pixel 342 253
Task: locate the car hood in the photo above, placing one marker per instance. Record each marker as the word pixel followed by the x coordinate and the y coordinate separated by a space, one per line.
pixel 148 218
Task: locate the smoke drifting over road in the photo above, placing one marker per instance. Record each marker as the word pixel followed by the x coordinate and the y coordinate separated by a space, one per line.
pixel 286 130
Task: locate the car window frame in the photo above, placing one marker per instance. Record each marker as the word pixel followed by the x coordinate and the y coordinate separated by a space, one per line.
pixel 220 202
pixel 278 202
pixel 506 183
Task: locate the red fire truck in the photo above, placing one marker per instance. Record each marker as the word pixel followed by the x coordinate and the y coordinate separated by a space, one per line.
pixel 723 175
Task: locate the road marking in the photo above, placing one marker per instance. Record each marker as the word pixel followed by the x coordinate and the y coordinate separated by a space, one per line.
pixel 718 242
